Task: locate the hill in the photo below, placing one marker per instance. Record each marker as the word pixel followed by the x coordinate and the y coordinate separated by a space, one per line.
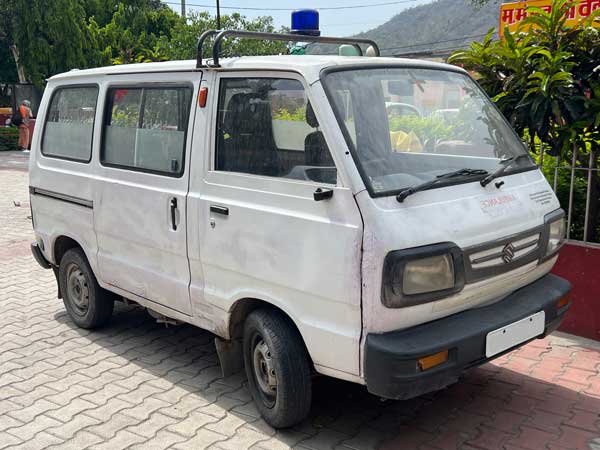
pixel 435 26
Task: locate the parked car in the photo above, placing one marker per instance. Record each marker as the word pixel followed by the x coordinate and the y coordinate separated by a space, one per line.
pixel 259 198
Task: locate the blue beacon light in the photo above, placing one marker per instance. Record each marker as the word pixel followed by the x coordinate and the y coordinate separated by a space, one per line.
pixel 306 22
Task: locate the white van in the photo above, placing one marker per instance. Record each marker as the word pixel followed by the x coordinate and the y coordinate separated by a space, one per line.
pixel 274 202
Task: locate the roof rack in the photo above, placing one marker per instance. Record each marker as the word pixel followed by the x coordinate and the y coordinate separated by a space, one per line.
pixel 273 37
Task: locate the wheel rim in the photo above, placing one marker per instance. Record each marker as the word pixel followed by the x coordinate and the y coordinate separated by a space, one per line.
pixel 264 372
pixel 78 290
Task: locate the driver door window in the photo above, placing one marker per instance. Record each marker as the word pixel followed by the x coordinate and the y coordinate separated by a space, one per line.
pixel 267 127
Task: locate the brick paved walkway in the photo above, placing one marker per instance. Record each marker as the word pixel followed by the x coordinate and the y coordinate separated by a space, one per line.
pixel 137 384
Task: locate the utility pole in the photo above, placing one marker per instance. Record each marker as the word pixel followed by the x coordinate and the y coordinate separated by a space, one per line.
pixel 218 16
pixel 183 8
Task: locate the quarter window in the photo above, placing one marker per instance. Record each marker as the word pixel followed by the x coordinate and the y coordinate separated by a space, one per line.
pixel 70 123
pixel 267 126
pixel 145 129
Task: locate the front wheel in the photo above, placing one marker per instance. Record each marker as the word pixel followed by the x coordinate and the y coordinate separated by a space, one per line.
pixel 277 368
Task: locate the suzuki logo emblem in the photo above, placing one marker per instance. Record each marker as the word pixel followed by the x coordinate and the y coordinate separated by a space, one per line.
pixel 508 253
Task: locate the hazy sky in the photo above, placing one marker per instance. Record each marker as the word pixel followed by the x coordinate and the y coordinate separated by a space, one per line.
pixel 342 22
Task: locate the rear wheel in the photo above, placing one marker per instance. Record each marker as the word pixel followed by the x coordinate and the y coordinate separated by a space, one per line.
pixel 88 305
pixel 277 367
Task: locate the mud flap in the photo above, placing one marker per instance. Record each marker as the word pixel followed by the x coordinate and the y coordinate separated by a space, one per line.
pixel 230 356
pixel 58 293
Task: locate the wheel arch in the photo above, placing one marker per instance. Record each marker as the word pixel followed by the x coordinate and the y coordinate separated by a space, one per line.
pixel 65 242
pixel 61 245
pixel 243 307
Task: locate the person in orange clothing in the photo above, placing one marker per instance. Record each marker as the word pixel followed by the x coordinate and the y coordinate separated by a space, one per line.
pixel 25 110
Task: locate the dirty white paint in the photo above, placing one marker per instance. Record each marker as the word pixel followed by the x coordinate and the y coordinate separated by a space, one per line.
pixel 319 262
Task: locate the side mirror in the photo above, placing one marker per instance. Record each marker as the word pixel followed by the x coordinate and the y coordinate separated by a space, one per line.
pixel 322 194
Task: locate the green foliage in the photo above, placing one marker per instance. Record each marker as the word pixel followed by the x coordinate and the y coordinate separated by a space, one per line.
pixel 553 168
pixel 8 72
pixel 184 37
pixel 57 36
pixel 546 81
pixel 51 37
pixel 541 79
pixel 296 115
pixel 133 33
pixel 9 138
pixel 425 128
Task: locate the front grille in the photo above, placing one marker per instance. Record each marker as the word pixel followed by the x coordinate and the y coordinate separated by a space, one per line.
pixel 498 256
pixel 503 255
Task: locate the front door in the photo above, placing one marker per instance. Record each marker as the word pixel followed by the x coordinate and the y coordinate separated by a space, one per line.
pixel 144 166
pixel 261 232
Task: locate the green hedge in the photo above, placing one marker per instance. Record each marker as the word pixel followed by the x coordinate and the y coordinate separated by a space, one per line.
pixel 9 138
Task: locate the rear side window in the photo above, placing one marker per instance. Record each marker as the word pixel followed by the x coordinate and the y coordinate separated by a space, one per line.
pixel 70 123
pixel 145 129
pixel 267 126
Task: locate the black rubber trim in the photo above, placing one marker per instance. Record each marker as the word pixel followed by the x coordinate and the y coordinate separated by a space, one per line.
pixel 107 114
pixel 39 256
pixel 57 89
pixel 391 368
pixel 61 197
pixel 548 219
pixel 395 262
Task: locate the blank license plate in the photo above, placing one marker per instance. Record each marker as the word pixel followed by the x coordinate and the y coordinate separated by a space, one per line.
pixel 506 337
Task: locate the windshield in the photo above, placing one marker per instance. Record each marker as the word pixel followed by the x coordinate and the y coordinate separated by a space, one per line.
pixel 409 126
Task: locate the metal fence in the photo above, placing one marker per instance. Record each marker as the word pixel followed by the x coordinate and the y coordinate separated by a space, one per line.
pixel 573 183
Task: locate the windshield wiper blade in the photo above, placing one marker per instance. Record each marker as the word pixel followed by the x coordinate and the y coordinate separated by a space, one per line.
pixel 421 187
pixel 505 164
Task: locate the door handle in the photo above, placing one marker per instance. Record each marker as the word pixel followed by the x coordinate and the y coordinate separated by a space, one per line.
pixel 219 210
pixel 173 213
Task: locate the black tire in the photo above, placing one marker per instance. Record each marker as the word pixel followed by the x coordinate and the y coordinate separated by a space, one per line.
pixel 88 305
pixel 268 332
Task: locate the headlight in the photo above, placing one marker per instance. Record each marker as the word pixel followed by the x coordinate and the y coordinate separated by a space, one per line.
pixel 428 275
pixel 422 275
pixel 556 228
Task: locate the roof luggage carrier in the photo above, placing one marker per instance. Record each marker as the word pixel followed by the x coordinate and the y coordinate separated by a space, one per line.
pixel 220 34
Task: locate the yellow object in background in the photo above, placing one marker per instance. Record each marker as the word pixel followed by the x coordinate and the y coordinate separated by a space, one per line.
pixel 405 142
pixel 512 14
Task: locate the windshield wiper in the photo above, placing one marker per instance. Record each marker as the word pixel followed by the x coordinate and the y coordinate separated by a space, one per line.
pixel 421 187
pixel 505 164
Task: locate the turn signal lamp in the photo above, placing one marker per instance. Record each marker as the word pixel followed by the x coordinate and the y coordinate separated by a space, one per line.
pixel 306 22
pixel 202 95
pixel 562 302
pixel 430 361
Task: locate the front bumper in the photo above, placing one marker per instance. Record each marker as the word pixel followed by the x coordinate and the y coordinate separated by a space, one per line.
pixel 391 368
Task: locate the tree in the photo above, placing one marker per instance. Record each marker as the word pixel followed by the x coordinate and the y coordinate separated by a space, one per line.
pixel 46 37
pixel 8 19
pixel 546 80
pixel 133 32
pixel 8 70
pixel 183 41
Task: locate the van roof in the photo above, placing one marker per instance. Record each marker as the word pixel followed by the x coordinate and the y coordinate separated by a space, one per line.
pixel 308 65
